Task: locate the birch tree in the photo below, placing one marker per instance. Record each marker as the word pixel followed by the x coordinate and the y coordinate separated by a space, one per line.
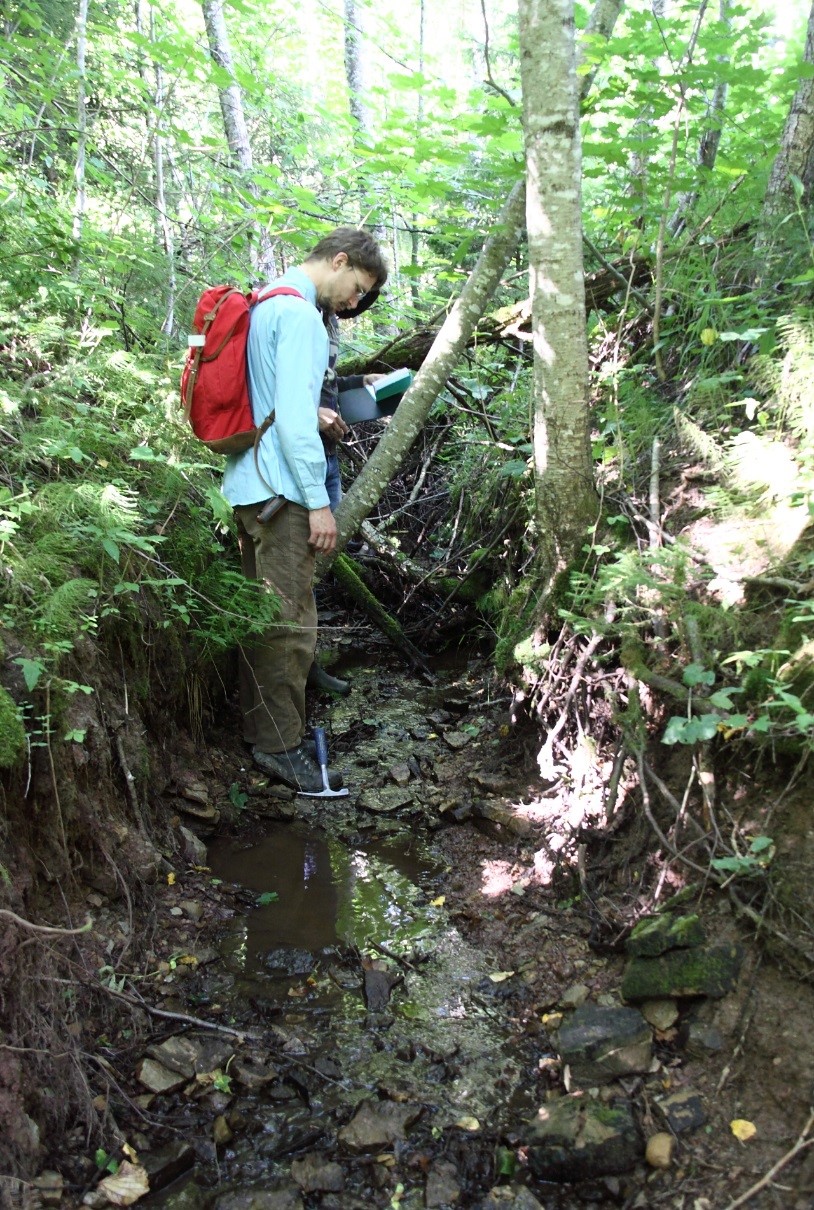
pixel 566 503
pixel 792 177
pixel 234 125
pixel 81 120
pixel 155 96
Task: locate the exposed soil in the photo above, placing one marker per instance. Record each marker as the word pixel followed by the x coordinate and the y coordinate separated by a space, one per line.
pixel 526 894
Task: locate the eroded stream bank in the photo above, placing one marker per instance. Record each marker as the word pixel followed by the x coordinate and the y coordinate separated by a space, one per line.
pixel 400 998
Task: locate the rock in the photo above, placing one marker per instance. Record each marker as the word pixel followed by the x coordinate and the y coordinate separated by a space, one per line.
pixel 659 1150
pixel 206 811
pixel 505 817
pixel 457 739
pixel 158 1078
pixel 179 1054
pixel 188 1196
pixel 49 1187
pixel 706 971
pixel 314 1174
pixel 574 996
pixel 378 985
pixel 221 1131
pixel 252 1071
pixel 378 1124
pixel 601 1043
pixel 656 935
pixel 385 799
pixel 516 1196
pixel 213 1053
pixel 190 787
pixel 661 1014
pixel 400 774
pixel 192 849
pixel 683 1111
pixel 442 1187
pixel 192 909
pixel 288 960
pixel 167 1163
pixel 575 1138
pixel 701 1040
pixel 286 1197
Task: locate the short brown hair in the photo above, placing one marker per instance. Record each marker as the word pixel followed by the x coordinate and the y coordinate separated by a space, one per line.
pixel 361 249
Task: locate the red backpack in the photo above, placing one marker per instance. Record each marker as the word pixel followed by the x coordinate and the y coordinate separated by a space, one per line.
pixel 214 381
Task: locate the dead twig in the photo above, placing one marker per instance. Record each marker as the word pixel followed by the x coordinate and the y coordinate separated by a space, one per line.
pixel 50 929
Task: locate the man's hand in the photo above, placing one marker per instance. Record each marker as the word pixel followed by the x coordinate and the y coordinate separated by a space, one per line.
pixel 332 424
pixel 323 530
pixel 369 379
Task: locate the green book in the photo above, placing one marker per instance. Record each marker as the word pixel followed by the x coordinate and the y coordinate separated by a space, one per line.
pixel 377 400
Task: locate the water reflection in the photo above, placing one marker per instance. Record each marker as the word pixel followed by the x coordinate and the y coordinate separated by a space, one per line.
pixel 327 893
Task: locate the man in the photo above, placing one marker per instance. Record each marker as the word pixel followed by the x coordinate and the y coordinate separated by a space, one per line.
pixel 287 358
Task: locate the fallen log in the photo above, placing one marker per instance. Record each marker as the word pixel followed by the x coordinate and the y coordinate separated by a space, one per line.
pixel 508 324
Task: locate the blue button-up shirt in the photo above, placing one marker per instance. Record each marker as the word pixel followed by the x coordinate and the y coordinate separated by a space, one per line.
pixel 287 360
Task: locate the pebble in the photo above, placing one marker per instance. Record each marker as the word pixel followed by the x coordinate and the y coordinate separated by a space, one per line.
pixel 659 1152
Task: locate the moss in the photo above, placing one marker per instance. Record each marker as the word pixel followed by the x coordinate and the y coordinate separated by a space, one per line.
pixel 12 731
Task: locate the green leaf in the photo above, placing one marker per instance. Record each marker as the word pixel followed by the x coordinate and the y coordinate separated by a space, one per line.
pixel 110 548
pixel 32 671
pixel 266 898
pixel 697 674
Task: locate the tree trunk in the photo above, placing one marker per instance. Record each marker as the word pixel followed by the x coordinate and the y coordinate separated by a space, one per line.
pixel 566 503
pixel 155 100
pixel 354 69
pixel 234 125
pixel 795 158
pixel 81 121
pixel 442 358
pixel 711 138
pixel 600 26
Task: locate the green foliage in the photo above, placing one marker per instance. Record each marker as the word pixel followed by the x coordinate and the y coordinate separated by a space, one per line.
pixel 12 731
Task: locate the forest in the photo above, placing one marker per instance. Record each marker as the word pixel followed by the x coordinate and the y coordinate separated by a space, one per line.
pixel 571 952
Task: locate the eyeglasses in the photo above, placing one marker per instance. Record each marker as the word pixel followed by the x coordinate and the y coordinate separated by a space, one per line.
pixel 360 291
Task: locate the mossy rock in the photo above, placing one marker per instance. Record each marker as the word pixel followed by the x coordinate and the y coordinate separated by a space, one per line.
pixel 575 1138
pixel 12 731
pixel 657 934
pixel 703 971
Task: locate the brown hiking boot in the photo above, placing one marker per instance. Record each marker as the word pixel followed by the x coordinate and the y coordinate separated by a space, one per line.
pixel 296 768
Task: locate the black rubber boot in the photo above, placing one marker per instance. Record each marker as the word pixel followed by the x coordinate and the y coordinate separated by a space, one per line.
pixel 323 682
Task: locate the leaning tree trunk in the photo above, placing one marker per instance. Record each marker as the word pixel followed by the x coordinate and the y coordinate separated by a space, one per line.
pixel 234 125
pixel 566 502
pixel 795 160
pixel 429 382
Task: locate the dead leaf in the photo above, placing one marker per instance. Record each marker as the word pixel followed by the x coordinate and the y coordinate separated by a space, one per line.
pixel 500 976
pixel 171 879
pixel 467 1123
pixel 439 902
pixel 125 1186
pixel 742 1129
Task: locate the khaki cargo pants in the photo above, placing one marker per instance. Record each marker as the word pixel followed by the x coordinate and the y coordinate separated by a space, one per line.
pixel 274 669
